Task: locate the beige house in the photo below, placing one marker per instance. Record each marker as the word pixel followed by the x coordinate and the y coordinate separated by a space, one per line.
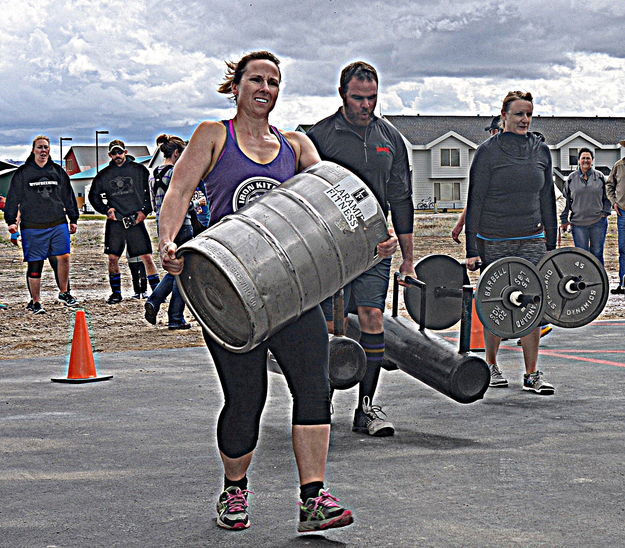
pixel 442 148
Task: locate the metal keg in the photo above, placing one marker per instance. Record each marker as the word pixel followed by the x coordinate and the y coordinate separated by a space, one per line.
pixel 260 268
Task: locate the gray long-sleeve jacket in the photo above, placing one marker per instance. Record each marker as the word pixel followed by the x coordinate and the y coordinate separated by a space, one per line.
pixel 615 185
pixel 380 159
pixel 511 191
pixel 586 201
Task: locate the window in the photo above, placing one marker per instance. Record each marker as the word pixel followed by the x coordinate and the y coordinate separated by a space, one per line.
pixel 450 157
pixel 447 192
pixel 573 153
pixel 69 164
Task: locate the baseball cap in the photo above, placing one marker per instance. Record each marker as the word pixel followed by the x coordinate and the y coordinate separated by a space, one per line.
pixel 117 144
pixel 494 123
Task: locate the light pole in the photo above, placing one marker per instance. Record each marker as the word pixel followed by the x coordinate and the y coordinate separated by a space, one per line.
pixel 61 139
pixel 98 132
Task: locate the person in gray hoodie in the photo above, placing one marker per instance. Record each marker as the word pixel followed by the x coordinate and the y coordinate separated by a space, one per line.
pixel 511 212
pixel 587 206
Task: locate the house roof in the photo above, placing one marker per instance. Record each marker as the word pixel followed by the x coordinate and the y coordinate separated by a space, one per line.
pixel 422 130
pixel 91 173
pixel 85 154
pixel 7 165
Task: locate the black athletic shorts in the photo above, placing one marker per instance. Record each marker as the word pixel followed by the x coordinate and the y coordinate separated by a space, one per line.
pixel 368 289
pixel 116 238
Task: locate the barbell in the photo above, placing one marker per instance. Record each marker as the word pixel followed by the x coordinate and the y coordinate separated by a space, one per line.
pixel 568 288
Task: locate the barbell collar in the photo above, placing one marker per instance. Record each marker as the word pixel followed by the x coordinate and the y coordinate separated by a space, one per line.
pixel 521 300
pixel 574 286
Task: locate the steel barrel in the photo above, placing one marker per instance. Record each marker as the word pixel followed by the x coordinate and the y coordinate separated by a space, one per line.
pixel 260 268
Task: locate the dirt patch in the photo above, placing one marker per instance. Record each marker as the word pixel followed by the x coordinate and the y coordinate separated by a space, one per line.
pixel 122 327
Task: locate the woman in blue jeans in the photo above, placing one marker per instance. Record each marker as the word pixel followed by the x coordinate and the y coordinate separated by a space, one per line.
pixel 587 205
pixel 171 147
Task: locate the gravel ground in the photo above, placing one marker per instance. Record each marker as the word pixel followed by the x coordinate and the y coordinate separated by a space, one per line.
pixel 122 327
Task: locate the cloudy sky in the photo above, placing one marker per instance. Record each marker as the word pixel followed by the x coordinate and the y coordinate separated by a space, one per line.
pixel 136 69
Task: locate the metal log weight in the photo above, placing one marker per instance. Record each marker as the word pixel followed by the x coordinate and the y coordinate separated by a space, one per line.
pixel 347 360
pixel 443 276
pixel 432 360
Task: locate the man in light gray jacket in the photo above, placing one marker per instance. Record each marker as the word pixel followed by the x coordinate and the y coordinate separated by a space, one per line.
pixel 615 189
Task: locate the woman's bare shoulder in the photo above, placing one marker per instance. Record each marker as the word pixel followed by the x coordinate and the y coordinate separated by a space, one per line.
pixel 210 130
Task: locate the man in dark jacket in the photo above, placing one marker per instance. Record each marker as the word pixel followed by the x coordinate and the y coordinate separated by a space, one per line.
pixel 357 139
pixel 121 192
pixel 42 196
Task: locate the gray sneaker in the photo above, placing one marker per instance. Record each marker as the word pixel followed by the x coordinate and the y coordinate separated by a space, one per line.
pixel 497 380
pixel 369 421
pixel 534 382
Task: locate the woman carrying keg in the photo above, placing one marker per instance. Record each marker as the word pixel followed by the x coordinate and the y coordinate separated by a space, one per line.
pixel 226 155
pixel 511 212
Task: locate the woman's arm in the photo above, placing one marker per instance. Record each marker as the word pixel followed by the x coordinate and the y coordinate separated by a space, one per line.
pixel 479 180
pixel 548 207
pixel 305 152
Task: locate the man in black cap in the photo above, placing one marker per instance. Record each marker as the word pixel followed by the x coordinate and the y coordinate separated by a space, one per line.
pixel 121 192
pixel 495 126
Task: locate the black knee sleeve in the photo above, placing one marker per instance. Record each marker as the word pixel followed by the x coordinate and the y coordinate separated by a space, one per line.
pixel 139 281
pixel 34 269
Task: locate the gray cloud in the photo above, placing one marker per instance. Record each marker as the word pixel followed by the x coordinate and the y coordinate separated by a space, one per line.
pixel 140 68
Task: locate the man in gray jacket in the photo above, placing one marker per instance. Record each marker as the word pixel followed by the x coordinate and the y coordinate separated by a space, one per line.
pixel 615 189
pixel 357 139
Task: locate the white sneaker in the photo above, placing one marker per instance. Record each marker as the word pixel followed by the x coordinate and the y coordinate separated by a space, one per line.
pixel 497 380
pixel 370 422
pixel 534 382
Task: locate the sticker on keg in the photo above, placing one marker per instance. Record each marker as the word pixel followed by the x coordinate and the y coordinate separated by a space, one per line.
pixel 354 200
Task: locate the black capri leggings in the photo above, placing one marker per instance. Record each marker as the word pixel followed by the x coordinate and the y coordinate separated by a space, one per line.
pixel 301 349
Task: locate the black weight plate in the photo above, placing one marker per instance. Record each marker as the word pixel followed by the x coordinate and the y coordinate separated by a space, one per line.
pixel 492 297
pixel 568 305
pixel 436 271
pixel 348 363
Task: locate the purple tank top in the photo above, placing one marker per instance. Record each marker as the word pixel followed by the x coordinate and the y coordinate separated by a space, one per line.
pixel 236 181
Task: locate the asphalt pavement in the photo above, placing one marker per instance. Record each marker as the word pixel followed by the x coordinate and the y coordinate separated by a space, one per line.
pixel 132 461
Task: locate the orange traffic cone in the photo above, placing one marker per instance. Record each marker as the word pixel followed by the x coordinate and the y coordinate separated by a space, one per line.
pixel 477 331
pixel 81 363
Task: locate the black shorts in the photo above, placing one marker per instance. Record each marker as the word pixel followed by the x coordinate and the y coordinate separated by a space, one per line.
pixel 116 237
pixel 368 289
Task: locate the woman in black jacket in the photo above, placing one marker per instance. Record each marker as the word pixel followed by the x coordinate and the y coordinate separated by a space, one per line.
pixel 511 212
